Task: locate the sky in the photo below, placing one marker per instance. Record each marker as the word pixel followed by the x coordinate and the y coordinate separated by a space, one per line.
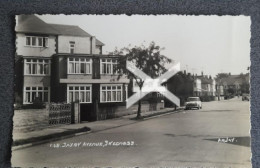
pixel 212 44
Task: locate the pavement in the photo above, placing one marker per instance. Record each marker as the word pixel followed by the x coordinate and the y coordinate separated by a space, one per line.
pixel 26 139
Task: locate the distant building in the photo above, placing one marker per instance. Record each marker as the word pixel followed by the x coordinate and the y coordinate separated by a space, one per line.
pixel 228 84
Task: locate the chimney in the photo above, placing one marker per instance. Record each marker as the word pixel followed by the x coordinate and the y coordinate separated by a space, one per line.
pixel 92 45
pixel 184 72
pixel 201 73
pixel 229 73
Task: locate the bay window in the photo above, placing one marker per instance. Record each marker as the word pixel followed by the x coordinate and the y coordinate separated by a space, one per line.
pixel 31 93
pixel 111 93
pixel 79 66
pixel 36 66
pixel 81 93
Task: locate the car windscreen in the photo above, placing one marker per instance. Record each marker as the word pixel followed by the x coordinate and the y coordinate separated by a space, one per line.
pixel 193 99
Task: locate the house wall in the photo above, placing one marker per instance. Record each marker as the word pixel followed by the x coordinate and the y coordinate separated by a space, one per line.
pixel 22 49
pixel 37 81
pixel 113 111
pixel 82 44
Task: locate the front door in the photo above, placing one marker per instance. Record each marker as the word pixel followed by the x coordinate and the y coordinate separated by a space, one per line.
pixel 86 110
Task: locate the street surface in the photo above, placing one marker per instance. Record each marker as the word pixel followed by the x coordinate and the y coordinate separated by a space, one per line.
pixel 216 135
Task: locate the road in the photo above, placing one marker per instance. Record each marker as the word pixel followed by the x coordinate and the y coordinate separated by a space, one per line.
pixel 189 138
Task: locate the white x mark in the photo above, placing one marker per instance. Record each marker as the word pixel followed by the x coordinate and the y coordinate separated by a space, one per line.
pixel 152 85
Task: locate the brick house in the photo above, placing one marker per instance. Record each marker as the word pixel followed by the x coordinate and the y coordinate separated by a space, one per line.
pixel 63 63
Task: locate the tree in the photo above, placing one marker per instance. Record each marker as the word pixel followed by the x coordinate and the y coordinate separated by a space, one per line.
pixel 147 59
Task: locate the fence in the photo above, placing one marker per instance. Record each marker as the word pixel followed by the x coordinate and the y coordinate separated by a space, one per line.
pixel 59 113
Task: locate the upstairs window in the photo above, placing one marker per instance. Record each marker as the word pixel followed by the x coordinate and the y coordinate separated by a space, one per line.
pixel 79 66
pixel 36 67
pixel 36 41
pixel 108 66
pixel 72 47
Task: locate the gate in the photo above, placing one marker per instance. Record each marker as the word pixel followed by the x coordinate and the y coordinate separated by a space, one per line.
pixel 59 113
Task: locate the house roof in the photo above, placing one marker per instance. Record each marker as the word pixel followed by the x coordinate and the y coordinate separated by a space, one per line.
pixel 71 30
pixel 99 43
pixel 33 24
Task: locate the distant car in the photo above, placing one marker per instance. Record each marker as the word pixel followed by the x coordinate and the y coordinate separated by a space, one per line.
pixel 193 102
pixel 245 97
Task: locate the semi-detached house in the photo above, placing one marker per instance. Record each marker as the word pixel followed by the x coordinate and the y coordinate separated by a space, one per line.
pixel 63 63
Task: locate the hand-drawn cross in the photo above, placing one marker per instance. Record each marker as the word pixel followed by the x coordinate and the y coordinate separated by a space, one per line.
pixel 152 85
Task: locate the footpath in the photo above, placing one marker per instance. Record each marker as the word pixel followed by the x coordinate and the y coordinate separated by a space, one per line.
pixel 22 140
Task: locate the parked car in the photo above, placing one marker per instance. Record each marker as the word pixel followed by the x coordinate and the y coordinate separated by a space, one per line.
pixel 193 102
pixel 245 97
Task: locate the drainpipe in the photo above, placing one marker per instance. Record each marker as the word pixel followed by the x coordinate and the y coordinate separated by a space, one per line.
pixel 92 44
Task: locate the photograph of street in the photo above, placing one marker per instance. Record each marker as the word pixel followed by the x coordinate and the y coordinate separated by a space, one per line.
pixel 74 91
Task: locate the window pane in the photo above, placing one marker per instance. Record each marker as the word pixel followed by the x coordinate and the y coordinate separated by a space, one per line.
pixel 76 67
pixel 45 42
pixel 27 97
pixel 46 69
pixel 28 68
pixel 28 88
pixel 103 96
pixel 87 96
pixel 33 88
pixel 71 67
pixel 77 88
pixel 82 68
pixel 70 96
pixel 39 41
pixel 40 69
pixel 108 96
pixel 113 87
pixel 39 88
pixel 46 88
pixel 82 88
pixel 33 96
pixel 87 88
pixel 33 41
pixel 108 87
pixel 46 98
pixel 88 68
pixel 70 88
pixel 28 40
pixel 108 68
pixel 114 96
pixel 119 98
pixel 82 97
pixel 34 69
pixel 40 96
pixel 103 88
pixel 76 96
pixel 104 68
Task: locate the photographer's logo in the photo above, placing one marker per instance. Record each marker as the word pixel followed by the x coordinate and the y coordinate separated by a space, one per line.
pixel 152 85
